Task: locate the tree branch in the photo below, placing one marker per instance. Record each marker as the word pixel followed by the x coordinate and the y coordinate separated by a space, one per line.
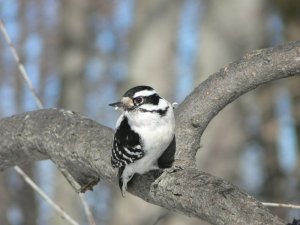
pixel 81 148
pixel 223 87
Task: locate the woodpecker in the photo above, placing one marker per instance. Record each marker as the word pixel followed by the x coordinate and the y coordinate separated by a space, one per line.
pixel 145 134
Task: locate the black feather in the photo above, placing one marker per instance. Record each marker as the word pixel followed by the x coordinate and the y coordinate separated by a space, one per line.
pixel 295 222
pixel 125 144
pixel 152 99
pixel 132 91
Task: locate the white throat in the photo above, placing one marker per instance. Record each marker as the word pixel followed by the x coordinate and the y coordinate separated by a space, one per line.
pixel 155 130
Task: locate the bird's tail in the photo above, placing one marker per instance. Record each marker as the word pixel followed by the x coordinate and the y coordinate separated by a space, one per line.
pixel 120 172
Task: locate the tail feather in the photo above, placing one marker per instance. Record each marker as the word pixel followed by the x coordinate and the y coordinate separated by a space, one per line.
pixel 120 172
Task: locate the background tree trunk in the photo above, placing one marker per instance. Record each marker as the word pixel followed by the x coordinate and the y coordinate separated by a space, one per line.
pixel 5 199
pixel 227 31
pixel 152 41
pixel 74 49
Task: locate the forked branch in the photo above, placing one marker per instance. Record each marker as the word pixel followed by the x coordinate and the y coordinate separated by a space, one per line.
pixel 223 87
pixel 81 147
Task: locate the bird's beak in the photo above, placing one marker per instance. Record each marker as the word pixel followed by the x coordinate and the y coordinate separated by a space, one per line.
pixel 116 104
pixel 126 103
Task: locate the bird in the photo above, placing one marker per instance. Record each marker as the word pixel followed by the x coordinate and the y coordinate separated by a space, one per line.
pixel 144 139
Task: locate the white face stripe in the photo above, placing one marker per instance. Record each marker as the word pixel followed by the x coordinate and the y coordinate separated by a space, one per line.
pixel 144 93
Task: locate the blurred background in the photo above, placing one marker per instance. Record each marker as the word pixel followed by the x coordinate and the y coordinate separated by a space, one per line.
pixel 83 54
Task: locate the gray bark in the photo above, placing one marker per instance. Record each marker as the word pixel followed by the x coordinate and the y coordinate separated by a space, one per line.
pixel 81 148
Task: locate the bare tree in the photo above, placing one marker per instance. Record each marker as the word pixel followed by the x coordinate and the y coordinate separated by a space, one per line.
pixel 80 147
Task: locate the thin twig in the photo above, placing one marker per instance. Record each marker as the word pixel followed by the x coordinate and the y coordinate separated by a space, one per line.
pixel 49 200
pixel 271 204
pixel 40 105
pixel 20 65
pixel 87 210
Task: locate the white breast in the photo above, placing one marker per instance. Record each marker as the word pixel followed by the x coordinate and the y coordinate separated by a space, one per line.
pixel 156 133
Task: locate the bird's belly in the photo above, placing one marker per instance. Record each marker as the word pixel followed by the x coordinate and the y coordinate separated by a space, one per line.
pixel 156 139
pixel 155 142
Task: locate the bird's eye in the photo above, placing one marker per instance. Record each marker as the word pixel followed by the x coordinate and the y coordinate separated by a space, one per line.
pixel 138 100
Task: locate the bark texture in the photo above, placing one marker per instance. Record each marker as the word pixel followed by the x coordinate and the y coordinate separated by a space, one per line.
pixel 81 148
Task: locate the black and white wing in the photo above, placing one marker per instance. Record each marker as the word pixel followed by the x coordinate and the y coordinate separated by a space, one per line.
pixel 127 146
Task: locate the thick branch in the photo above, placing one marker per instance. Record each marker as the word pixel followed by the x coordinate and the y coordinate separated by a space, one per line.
pixel 81 149
pixel 223 87
pixel 77 145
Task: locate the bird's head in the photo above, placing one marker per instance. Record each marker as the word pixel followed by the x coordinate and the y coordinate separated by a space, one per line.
pixel 139 98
